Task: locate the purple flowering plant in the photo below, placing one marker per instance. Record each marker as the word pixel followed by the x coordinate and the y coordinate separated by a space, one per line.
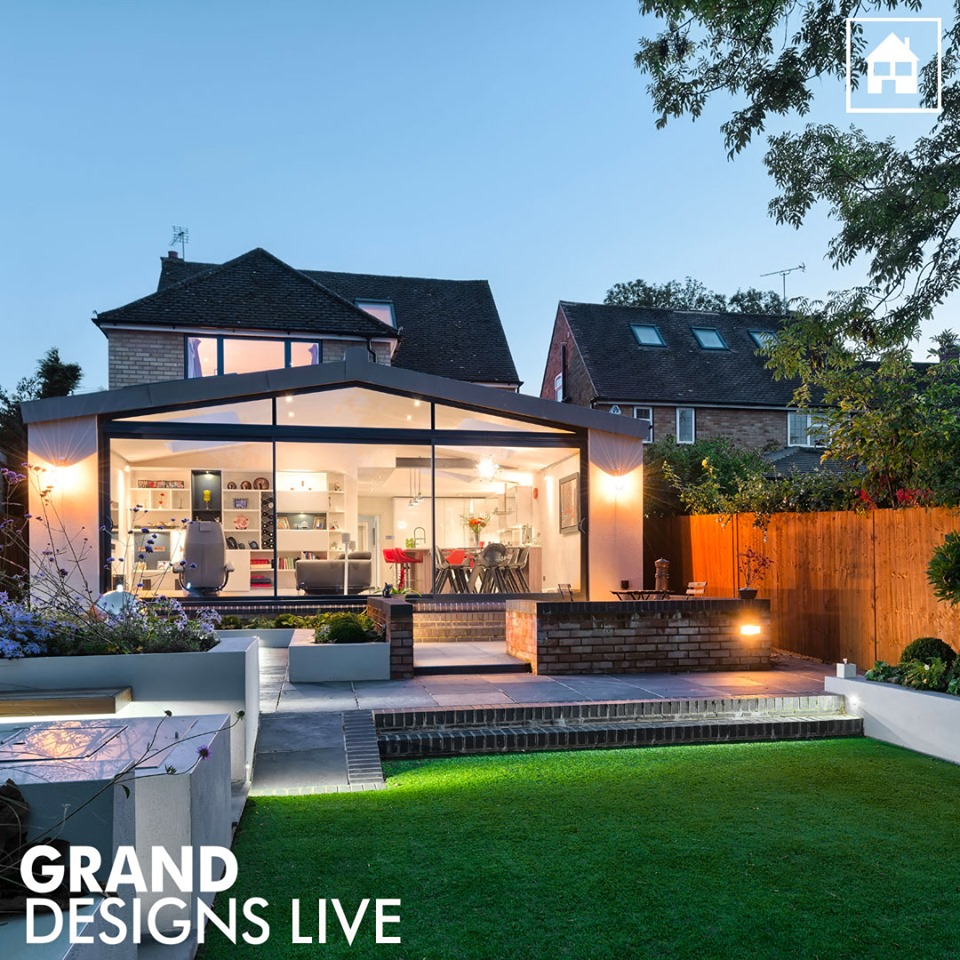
pixel 48 606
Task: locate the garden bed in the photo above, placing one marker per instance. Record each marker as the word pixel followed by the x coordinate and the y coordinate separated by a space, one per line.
pixel 318 662
pixel 921 720
pixel 223 679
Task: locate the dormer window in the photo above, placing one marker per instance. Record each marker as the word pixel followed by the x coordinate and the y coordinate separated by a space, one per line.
pixel 647 335
pixel 709 338
pixel 381 309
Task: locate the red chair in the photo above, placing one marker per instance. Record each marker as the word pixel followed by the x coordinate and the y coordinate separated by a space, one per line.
pixel 401 561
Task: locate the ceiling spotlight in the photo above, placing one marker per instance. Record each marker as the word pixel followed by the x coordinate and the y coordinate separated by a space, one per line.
pixel 487 469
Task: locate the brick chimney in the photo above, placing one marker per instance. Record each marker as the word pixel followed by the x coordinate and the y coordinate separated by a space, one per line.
pixel 173 255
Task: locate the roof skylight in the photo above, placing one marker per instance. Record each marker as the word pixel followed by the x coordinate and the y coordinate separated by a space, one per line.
pixel 709 338
pixel 647 335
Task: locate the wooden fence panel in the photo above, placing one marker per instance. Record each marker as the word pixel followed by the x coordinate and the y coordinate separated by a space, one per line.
pixel 842 585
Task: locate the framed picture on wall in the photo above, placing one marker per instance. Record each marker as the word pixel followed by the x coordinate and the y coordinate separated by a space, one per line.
pixel 570 503
pixel 240 503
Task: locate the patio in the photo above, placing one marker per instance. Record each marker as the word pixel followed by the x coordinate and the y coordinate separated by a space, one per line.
pixel 320 737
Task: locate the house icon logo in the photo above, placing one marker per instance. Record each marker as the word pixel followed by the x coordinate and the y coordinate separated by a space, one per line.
pixel 893 64
pixel 892 61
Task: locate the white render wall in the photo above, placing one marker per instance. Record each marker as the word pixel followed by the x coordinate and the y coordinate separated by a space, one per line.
pixel 924 721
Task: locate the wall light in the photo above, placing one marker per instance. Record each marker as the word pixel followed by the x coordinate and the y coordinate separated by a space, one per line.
pixel 750 630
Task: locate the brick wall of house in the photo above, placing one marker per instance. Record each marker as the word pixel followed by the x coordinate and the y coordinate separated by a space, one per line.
pixel 578 386
pixel 452 622
pixel 395 615
pixel 641 637
pixel 749 428
pixel 142 356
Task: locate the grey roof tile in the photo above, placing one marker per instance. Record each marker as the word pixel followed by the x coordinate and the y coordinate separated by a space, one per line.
pixel 450 328
pixel 255 291
pixel 681 372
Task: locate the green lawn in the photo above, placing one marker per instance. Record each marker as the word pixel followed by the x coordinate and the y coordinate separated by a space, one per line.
pixel 829 849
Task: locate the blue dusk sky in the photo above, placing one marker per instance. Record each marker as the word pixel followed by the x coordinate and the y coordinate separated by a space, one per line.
pixel 511 140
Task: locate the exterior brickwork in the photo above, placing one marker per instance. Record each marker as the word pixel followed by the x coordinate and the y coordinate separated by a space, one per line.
pixel 577 386
pixel 641 637
pixel 143 356
pixel 756 429
pixel 458 622
pixel 395 615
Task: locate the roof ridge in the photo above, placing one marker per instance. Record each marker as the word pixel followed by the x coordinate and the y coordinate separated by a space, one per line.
pixel 214 268
pixel 396 276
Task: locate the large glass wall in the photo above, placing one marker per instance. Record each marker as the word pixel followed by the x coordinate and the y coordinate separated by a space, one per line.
pixel 470 506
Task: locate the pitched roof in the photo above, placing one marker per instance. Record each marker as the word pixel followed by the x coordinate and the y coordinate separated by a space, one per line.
pixel 450 328
pixel 255 291
pixel 681 371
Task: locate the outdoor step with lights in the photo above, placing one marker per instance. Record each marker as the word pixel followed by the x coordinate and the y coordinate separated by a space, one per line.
pixel 627 723
pixel 58 703
pixel 458 669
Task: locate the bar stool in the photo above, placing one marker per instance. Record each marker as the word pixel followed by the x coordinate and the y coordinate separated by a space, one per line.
pixel 402 562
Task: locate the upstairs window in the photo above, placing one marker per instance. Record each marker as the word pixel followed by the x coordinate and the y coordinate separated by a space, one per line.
pixel 806 430
pixel 647 335
pixel 709 338
pixel 381 309
pixel 686 425
pixel 645 414
pixel 558 388
pixel 213 356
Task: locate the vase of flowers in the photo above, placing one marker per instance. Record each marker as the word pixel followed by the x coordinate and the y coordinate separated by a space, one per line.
pixel 475 523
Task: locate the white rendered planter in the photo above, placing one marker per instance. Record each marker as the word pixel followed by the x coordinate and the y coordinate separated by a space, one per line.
pixel 316 662
pixel 222 680
pixel 918 719
pixel 269 637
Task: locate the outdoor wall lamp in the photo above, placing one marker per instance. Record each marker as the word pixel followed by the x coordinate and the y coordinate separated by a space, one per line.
pixel 750 630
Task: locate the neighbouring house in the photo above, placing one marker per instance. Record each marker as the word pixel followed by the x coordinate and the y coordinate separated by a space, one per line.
pixel 892 60
pixel 306 411
pixel 688 374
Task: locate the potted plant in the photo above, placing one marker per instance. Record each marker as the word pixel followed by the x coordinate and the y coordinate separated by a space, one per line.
pixel 753 568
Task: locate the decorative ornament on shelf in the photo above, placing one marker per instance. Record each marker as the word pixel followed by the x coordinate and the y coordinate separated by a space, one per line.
pixel 241 522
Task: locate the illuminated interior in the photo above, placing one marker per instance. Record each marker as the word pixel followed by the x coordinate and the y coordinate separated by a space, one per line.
pixel 410 475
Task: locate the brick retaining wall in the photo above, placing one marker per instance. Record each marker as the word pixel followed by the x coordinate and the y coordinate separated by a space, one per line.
pixel 395 615
pixel 449 621
pixel 639 637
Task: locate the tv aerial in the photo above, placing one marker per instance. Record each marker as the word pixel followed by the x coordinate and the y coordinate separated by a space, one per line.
pixel 783 275
pixel 181 235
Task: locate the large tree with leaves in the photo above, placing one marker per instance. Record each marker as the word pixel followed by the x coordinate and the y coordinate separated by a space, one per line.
pixel 896 208
pixel 692 295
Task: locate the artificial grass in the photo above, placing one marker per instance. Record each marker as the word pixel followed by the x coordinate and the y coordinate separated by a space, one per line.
pixel 821 849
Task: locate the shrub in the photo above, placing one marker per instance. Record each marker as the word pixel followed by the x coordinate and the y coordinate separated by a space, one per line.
pixel 345 627
pixel 943 571
pixel 231 622
pixel 883 672
pixel 926 649
pixel 924 676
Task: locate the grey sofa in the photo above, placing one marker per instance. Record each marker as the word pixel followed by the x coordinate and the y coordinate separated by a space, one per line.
pixel 325 577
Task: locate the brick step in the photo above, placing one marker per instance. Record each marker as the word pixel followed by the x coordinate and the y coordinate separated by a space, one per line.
pixel 456 741
pixel 602 711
